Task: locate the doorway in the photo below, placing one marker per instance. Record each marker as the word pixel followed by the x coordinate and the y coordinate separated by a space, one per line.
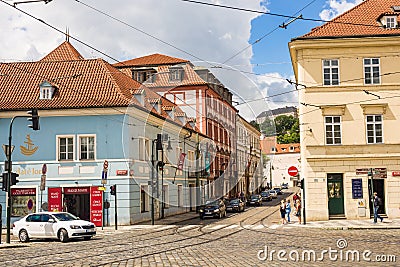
pixel 335 194
pixel 378 186
pixel 78 205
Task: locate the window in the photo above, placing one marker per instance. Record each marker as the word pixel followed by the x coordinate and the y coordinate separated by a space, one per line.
pixel 66 148
pixel 142 76
pixel 144 149
pixel 333 130
pixel 165 192
pixel 390 22
pixel 331 71
pixel 371 71
pixel 144 198
pixel 374 129
pixel 86 147
pixel 176 74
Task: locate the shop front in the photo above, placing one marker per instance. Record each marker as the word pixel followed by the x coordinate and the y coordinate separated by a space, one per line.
pixel 23 201
pixel 85 202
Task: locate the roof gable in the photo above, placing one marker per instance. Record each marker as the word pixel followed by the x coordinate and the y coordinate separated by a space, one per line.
pixel 63 52
pixel 362 20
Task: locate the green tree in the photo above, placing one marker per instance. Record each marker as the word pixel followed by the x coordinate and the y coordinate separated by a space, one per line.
pixel 287 129
pixel 267 127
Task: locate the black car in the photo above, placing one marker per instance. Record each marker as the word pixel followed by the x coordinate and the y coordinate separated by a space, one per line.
pixel 278 190
pixel 235 205
pixel 213 208
pixel 265 195
pixel 255 200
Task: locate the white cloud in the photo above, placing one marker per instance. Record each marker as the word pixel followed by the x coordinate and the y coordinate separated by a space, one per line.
pixel 337 7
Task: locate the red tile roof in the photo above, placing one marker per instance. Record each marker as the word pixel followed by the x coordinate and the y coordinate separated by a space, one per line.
pixel 65 51
pixel 358 21
pixel 80 83
pixel 151 60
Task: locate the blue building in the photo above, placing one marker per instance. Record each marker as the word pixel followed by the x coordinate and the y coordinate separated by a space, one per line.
pixel 98 127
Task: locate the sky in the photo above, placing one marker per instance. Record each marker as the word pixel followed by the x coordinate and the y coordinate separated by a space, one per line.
pixel 247 51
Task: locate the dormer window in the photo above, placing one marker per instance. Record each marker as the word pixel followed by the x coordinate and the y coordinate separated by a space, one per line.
pixel 391 22
pixel 176 74
pixel 144 75
pixel 47 90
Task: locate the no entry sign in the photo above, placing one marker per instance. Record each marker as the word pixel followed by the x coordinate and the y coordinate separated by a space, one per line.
pixel 293 171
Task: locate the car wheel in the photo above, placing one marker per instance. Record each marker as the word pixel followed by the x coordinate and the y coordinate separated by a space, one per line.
pixel 63 235
pixel 87 237
pixel 23 236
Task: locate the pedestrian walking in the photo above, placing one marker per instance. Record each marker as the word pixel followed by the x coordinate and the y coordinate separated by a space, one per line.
pixel 295 198
pixel 298 210
pixel 377 202
pixel 288 210
pixel 282 209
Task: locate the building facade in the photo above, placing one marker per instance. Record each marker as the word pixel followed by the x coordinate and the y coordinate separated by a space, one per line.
pixel 98 127
pixel 349 116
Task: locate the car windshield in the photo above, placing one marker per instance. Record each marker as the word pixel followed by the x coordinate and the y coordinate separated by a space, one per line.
pixel 254 197
pixel 212 202
pixel 234 201
pixel 264 193
pixel 65 217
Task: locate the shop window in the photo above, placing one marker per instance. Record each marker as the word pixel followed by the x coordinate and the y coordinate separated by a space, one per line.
pixel 144 199
pixel 65 146
pixel 23 201
pixel 86 147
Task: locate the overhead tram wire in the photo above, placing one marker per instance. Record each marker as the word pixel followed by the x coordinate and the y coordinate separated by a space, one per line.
pixel 267 34
pixel 140 30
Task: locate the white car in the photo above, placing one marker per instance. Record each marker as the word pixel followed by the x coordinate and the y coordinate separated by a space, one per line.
pixel 273 193
pixel 59 225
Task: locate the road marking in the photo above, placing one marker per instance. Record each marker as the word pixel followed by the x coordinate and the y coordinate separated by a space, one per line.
pixel 274 226
pixel 188 226
pixel 232 226
pixel 166 227
pixel 216 227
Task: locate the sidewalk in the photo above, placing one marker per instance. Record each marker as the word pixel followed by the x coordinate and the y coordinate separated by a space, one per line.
pixel 348 224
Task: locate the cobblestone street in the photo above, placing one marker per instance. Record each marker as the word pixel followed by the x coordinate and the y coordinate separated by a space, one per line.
pixel 252 238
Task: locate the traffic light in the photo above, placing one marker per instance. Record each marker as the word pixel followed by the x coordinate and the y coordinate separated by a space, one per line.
pixel 14 179
pixel 161 165
pixel 4 179
pixel 34 119
pixel 113 189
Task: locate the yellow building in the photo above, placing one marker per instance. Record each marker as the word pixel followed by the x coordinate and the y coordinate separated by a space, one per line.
pixel 348 75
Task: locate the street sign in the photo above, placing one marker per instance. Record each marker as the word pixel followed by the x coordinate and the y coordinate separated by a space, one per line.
pixel 101 188
pixel 105 165
pixel 293 171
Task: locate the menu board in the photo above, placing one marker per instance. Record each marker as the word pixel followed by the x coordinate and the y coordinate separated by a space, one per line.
pixel 356 188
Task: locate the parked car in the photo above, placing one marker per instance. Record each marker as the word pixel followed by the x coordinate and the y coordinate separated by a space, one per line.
pixel 255 200
pixel 273 193
pixel 213 208
pixel 266 196
pixel 285 186
pixel 278 190
pixel 235 205
pixel 59 225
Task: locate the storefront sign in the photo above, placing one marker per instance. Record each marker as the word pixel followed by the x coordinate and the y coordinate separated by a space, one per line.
pixel 23 191
pixel 395 173
pixel 96 206
pixel 54 199
pixel 76 190
pixel 122 172
pixel 356 188
pixel 376 172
